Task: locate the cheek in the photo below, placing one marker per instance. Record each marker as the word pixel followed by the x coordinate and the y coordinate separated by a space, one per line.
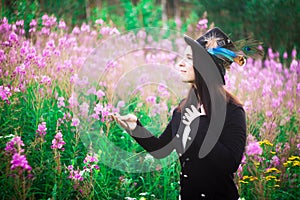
pixel 190 69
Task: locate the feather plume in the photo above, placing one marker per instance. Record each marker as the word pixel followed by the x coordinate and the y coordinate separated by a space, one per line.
pixel 222 52
pixel 249 47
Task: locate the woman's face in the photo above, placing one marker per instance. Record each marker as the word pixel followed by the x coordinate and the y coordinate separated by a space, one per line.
pixel 185 66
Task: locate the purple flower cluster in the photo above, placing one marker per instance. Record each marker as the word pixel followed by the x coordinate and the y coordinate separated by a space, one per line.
pixel 105 30
pixel 202 24
pixel 5 93
pixel 11 145
pixel 42 129
pixel 151 99
pixel 162 91
pixel 75 175
pixel 90 159
pixel 104 111
pixel 4 25
pixel 19 161
pixel 90 165
pixel 61 102
pixel 91 162
pixel 253 148
pixel 32 25
pixel 73 101
pixel 49 21
pixel 2 56
pixel 46 80
pixel 75 122
pixel 84 109
pixel 58 142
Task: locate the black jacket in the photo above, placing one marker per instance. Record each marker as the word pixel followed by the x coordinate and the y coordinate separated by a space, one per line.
pixel 212 176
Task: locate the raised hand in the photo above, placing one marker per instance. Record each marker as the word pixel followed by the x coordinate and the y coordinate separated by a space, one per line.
pixel 128 121
pixel 191 114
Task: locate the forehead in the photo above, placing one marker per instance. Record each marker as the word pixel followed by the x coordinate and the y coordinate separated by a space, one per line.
pixel 188 50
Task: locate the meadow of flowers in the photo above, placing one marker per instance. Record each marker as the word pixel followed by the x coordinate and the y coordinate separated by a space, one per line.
pixel 49 132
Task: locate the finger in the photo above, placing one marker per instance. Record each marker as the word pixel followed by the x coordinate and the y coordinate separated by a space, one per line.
pixel 185 122
pixel 122 123
pixel 189 111
pixel 118 120
pixel 194 109
pixel 187 117
pixel 128 117
pixel 116 115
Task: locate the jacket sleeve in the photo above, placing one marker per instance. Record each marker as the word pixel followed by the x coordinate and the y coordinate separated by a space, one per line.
pixel 158 147
pixel 228 151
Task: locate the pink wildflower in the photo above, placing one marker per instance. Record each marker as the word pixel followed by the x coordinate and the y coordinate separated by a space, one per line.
pixel 62 24
pixel 58 142
pixel 42 129
pixel 73 101
pixel 46 80
pixel 151 99
pixel 253 149
pixel 285 55
pixel 10 146
pixel 100 94
pixel 20 161
pixel 75 174
pixel 90 159
pixel 99 21
pixel 275 161
pixel 33 23
pixel 2 56
pixel 294 53
pixel 84 109
pixel 76 30
pixel 121 104
pixel 75 122
pixel 13 38
pixel 5 93
pixel 202 24
pixel 61 102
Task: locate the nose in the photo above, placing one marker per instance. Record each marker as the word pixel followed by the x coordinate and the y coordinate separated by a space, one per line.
pixel 181 63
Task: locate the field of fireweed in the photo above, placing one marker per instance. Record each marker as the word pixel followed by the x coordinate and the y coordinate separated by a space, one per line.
pixel 58 87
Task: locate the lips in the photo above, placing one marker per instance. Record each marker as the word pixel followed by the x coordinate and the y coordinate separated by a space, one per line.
pixel 182 71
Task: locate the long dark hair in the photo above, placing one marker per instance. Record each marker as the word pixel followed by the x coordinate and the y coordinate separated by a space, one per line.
pixel 201 90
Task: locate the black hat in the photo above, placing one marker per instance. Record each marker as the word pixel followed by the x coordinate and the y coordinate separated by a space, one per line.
pixel 224 52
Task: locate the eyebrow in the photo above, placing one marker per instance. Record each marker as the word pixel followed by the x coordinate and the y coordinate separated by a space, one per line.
pixel 189 54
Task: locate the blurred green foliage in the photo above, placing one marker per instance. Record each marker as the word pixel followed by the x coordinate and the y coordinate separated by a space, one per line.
pixel 275 22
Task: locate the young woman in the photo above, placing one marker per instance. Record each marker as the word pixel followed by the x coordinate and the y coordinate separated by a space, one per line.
pixel 208 176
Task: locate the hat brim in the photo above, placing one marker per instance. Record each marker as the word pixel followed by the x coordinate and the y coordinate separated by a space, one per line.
pixel 204 63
